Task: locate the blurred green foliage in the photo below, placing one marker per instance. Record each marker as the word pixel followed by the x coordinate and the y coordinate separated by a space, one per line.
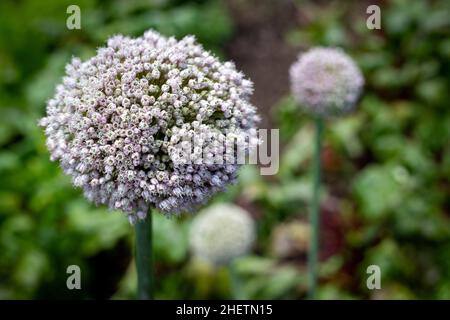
pixel 386 167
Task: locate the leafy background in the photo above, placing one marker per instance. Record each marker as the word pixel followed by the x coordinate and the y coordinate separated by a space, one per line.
pixel 386 167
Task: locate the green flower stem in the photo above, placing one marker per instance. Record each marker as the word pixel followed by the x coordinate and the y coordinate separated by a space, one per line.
pixel 144 259
pixel 236 289
pixel 313 262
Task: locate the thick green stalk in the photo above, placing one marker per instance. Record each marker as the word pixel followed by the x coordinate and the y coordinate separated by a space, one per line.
pixel 236 288
pixel 315 211
pixel 144 259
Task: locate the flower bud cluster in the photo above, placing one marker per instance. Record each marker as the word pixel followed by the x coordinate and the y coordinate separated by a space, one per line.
pixel 115 118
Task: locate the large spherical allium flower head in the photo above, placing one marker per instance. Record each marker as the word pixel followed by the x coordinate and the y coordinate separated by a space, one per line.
pixel 326 81
pixel 221 233
pixel 116 117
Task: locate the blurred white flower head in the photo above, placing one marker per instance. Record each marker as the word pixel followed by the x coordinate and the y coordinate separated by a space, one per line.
pixel 221 233
pixel 326 81
pixel 115 119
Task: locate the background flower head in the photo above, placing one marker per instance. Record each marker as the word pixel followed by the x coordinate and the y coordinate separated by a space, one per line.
pixel 116 117
pixel 221 233
pixel 326 81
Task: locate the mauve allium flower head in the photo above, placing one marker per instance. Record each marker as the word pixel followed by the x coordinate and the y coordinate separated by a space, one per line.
pixel 326 81
pixel 221 233
pixel 115 119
